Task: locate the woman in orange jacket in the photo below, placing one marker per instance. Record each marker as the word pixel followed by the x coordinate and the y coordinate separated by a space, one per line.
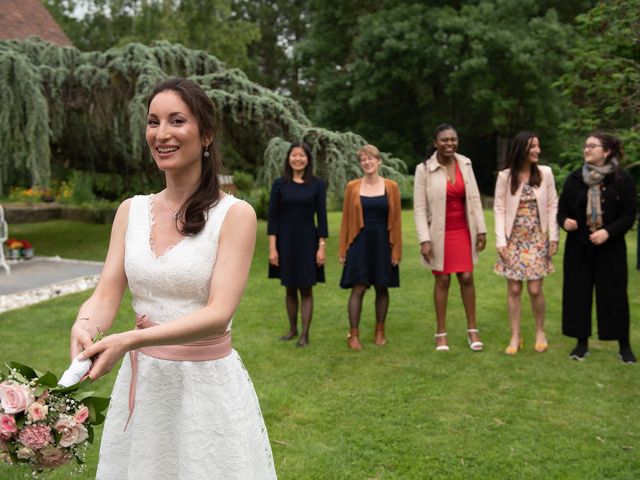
pixel 370 242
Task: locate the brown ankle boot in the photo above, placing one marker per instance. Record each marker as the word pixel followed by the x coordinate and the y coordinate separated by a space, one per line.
pixel 353 340
pixel 379 338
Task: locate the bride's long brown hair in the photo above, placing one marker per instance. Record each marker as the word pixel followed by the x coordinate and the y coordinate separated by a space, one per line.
pixel 207 193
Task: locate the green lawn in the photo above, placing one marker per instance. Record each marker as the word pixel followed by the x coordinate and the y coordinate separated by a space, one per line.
pixel 402 411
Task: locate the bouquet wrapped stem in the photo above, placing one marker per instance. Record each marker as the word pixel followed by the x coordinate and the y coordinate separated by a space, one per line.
pixel 45 424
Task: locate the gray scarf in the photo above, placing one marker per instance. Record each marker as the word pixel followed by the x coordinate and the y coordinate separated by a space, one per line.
pixel 593 176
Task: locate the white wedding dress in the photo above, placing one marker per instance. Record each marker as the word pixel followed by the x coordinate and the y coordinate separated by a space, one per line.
pixel 192 420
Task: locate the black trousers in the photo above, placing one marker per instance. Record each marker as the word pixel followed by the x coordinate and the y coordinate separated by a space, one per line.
pixel 604 267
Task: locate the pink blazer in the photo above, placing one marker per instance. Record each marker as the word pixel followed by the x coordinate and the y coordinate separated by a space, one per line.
pixel 505 205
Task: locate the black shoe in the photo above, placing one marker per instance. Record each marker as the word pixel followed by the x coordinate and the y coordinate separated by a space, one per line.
pixel 627 356
pixel 579 353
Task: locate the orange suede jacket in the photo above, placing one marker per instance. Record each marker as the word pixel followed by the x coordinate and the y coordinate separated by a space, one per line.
pixel 353 220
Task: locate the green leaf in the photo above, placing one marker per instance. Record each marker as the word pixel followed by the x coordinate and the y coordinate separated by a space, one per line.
pixel 48 379
pixel 27 372
pixel 20 419
pixel 73 388
pixel 80 396
pixel 40 389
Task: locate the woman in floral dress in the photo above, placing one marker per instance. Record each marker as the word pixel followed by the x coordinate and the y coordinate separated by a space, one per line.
pixel 525 208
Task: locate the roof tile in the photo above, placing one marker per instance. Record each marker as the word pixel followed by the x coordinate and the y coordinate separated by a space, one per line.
pixel 22 18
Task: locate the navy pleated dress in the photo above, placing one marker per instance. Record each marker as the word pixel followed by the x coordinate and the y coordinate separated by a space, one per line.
pixel 293 210
pixel 368 259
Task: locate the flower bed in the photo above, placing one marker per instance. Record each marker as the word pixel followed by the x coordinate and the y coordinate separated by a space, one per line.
pixel 23 213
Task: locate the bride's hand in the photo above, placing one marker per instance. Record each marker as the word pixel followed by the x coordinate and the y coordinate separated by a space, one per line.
pixel 81 337
pixel 106 353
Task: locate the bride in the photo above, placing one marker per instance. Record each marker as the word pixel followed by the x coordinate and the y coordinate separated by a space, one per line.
pixel 183 406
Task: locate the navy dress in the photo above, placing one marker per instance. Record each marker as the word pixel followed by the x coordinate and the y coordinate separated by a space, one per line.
pixel 292 208
pixel 368 259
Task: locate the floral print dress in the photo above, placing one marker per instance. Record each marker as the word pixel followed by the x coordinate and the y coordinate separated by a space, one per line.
pixel 527 256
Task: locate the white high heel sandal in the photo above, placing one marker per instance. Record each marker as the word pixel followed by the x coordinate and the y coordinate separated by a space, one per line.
pixel 475 346
pixel 441 348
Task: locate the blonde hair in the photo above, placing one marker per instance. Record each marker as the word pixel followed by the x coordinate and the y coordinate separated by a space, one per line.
pixel 369 150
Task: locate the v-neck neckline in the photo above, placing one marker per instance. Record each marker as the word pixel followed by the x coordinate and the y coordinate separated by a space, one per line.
pixel 150 223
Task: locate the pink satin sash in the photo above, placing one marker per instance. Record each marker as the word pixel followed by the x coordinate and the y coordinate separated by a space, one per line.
pixel 210 348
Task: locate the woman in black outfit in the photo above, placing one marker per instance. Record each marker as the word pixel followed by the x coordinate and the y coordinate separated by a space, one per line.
pixel 296 245
pixel 597 207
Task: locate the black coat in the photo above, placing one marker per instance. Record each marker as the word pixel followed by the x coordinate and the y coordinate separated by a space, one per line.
pixel 601 266
pixel 618 206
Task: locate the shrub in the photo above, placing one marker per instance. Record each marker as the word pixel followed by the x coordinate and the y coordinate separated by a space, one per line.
pixel 243 181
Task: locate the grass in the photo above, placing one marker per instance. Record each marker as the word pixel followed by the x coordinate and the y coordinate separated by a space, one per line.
pixel 402 411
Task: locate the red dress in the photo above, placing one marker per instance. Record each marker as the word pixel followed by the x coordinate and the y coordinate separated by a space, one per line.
pixel 457 238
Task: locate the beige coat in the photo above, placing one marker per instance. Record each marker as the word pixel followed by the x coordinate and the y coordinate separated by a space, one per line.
pixel 505 205
pixel 430 201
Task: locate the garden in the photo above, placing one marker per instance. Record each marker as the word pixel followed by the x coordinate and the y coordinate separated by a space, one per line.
pixel 338 75
pixel 399 411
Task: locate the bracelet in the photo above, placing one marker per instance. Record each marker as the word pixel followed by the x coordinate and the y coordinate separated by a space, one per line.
pixel 322 243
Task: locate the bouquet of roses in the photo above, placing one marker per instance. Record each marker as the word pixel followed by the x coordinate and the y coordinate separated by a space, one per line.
pixel 44 422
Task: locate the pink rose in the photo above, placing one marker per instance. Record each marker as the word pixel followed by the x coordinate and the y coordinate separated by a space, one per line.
pixel 35 436
pixel 81 415
pixel 51 457
pixel 71 431
pixel 37 412
pixel 15 398
pixel 8 426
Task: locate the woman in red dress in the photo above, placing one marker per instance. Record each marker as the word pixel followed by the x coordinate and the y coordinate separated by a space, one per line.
pixel 450 226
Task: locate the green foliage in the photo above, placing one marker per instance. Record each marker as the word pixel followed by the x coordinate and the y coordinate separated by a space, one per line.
pixel 28 195
pixel 394 70
pixel 24 136
pixel 92 109
pixel 243 181
pixel 209 25
pixel 256 195
pixel 81 185
pixel 282 24
pixel 603 80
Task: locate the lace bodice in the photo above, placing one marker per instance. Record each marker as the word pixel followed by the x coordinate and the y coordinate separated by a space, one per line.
pixel 177 282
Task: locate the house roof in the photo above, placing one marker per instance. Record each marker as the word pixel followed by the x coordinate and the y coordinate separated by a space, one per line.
pixel 22 18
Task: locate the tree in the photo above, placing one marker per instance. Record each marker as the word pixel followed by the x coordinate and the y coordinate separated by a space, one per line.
pixel 86 110
pixel 394 70
pixel 282 24
pixel 209 25
pixel 603 78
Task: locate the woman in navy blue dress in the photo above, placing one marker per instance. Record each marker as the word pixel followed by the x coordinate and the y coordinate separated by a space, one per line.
pixel 370 242
pixel 296 244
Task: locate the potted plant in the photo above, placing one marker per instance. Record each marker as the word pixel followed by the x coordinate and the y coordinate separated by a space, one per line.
pixel 19 249
pixel 27 250
pixel 14 247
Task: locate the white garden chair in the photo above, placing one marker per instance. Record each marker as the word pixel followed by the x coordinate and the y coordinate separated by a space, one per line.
pixel 4 234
